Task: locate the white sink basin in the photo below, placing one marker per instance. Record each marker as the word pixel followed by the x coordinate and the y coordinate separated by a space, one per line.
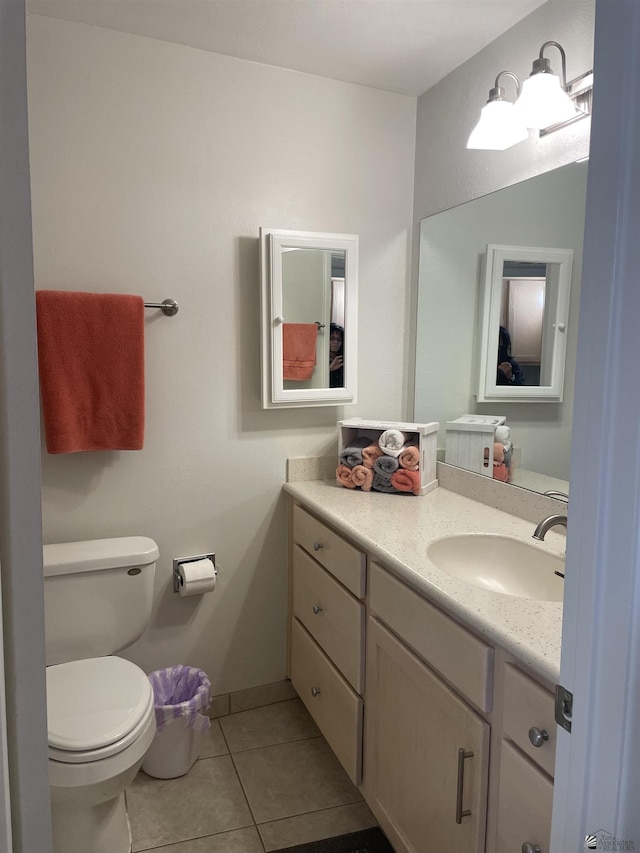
pixel 500 564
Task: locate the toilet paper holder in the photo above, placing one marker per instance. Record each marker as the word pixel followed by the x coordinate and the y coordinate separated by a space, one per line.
pixel 177 562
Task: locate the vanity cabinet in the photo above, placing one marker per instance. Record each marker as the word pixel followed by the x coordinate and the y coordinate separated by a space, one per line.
pixel 327 621
pixel 451 743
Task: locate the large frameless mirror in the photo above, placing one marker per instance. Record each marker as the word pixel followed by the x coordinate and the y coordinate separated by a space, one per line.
pixel 309 318
pixel 544 211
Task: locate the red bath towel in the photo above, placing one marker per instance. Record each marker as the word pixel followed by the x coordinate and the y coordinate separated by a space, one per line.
pixel 298 350
pixel 91 360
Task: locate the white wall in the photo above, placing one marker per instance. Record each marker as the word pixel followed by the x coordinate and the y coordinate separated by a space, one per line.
pixel 153 167
pixel 447 174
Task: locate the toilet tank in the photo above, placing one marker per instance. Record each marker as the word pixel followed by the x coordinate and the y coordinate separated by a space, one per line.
pixel 97 596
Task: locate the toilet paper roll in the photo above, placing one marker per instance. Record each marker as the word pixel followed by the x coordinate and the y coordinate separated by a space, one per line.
pixel 196 577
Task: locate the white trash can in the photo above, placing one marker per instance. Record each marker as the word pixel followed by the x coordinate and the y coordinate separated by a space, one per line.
pixel 173 752
pixel 180 693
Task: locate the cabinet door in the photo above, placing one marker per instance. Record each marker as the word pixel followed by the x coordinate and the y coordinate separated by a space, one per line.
pixel 524 803
pixel 426 753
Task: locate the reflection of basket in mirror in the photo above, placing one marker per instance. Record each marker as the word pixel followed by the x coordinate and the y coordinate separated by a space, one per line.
pixel 469 442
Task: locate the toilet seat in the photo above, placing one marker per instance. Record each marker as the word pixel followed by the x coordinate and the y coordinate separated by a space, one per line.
pixel 96 708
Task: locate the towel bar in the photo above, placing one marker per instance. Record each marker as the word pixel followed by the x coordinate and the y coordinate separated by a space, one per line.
pixel 169 307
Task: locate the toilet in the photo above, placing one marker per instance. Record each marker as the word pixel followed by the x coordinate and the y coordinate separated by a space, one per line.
pixel 100 708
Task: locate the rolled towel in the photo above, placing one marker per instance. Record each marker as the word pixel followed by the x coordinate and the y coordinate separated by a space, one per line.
pixel 362 477
pixel 382 484
pixel 343 477
pixel 502 434
pixel 384 466
pixel 391 442
pixel 370 454
pixel 410 458
pixel 406 481
pixel 352 455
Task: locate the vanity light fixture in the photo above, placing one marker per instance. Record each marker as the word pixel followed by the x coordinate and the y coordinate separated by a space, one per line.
pixel 544 100
pixel 546 103
pixel 499 127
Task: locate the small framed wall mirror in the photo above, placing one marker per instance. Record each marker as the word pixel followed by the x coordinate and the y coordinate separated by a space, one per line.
pixel 309 318
pixel 523 315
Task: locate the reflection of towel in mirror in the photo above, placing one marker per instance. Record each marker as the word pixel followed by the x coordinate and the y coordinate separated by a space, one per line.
pixel 385 466
pixel 391 442
pixel 370 454
pixel 343 476
pixel 298 350
pixel 503 436
pixel 409 458
pixel 382 484
pixel 352 454
pixel 406 481
pixel 362 477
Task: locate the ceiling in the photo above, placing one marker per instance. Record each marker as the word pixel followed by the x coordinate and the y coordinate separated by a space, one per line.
pixel 402 46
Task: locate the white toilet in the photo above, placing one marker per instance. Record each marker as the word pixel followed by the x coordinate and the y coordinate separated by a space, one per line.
pixel 100 707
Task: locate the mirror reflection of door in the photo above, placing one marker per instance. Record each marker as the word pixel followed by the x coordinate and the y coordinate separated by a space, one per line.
pixel 312 296
pixel 336 330
pixel 520 341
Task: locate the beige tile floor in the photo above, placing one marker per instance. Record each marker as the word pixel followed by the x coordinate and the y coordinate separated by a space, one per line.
pixel 266 779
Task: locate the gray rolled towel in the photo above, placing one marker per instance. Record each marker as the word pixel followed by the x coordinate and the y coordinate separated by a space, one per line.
pixel 383 484
pixel 352 455
pixel 385 466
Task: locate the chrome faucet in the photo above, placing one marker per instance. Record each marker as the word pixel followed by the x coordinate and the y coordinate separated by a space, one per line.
pixel 553 493
pixel 547 523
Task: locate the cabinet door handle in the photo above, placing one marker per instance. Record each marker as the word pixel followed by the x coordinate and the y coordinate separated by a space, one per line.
pixel 315 691
pixel 538 736
pixel 317 545
pixel 528 847
pixel 460 788
pixel 317 609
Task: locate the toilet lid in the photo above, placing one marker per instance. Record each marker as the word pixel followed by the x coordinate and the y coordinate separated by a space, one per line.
pixel 95 702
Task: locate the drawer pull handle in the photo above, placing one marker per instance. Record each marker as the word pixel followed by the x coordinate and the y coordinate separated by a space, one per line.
pixel 460 788
pixel 538 736
pixel 317 545
pixel 315 691
pixel 317 609
pixel 528 847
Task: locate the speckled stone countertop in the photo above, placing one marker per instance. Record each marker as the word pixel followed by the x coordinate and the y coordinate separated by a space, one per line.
pixel 397 530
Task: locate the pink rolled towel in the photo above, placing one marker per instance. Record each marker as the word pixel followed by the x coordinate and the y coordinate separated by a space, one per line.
pixel 343 476
pixel 410 458
pixel 406 481
pixel 370 454
pixel 363 477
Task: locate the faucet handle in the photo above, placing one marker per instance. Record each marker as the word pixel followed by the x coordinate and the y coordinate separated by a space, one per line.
pixel 553 493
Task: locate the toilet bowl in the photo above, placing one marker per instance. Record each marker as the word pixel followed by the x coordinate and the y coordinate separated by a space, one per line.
pixel 101 723
pixel 100 707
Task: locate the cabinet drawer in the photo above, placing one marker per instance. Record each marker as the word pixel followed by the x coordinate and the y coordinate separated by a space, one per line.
pixel 457 654
pixel 525 799
pixel 337 555
pixel 333 617
pixel 527 705
pixel 334 706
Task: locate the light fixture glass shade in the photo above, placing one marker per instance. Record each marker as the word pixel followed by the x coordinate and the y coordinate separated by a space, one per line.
pixel 543 102
pixel 498 128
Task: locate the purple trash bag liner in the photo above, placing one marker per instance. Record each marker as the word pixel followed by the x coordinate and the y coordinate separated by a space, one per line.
pixel 181 692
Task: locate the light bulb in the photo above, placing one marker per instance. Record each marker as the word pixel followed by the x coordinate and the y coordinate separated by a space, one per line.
pixel 543 102
pixel 498 128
